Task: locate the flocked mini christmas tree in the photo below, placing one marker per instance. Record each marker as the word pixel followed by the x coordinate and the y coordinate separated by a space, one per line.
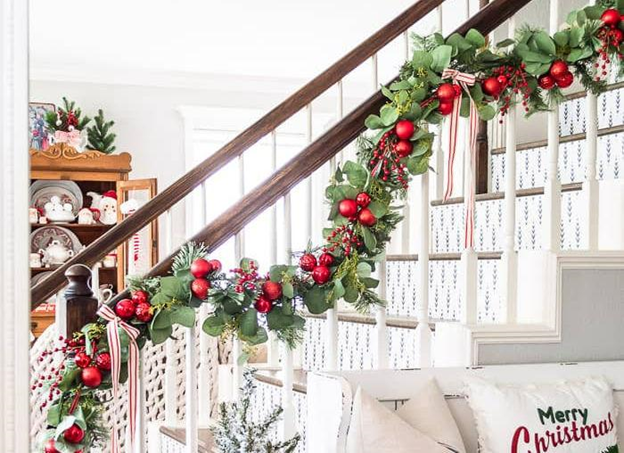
pixel 100 136
pixel 67 118
pixel 235 432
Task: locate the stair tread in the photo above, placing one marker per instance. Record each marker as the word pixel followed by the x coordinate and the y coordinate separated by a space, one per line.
pixel 205 442
pixel 403 322
pixel 447 256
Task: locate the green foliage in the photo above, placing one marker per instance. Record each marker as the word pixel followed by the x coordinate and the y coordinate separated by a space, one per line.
pixel 100 136
pixel 62 115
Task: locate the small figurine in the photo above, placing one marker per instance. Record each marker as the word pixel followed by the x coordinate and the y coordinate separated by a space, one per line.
pixel 86 217
pixel 106 204
pixel 33 215
pixel 56 211
pixel 55 253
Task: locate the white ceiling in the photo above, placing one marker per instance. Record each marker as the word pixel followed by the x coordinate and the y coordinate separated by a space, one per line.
pixel 265 38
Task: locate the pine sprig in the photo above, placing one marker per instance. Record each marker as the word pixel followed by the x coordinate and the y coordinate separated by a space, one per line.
pixel 100 136
pixel 188 253
pixel 151 285
pixel 67 117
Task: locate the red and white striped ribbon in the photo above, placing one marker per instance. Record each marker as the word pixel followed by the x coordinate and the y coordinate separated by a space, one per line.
pixel 114 344
pixel 464 80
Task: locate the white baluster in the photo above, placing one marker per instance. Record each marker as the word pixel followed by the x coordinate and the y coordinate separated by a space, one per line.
pixel 308 182
pixel 406 223
pixel 237 370
pixel 141 425
pixel 381 326
pixel 591 185
pixel 339 115
pixel 273 344
pixel 552 188
pixel 424 337
pixel 469 258
pixel 191 391
pixel 171 417
pixel 239 252
pixel 438 151
pixel 509 259
pixel 466 9
pixel 205 341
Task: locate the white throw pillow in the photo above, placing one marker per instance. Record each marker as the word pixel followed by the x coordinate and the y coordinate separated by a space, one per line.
pixel 376 429
pixel 573 416
pixel 429 413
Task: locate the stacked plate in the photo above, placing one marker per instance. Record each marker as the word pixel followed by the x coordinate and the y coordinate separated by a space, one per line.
pixel 42 191
pixel 42 237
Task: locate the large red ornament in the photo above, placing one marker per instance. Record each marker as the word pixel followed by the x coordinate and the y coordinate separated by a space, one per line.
pixel 565 80
pixel 347 208
pixel 445 108
pixel 492 87
pixel 546 82
pixel 326 259
pixel 263 305
pixel 125 309
pixel 82 360
pixel 403 148
pixel 445 93
pixel 91 377
pixel 74 434
pixel 50 446
pixel 404 129
pixel 216 265
pixel 200 268
pixel 307 262
pixel 366 217
pixel 321 274
pixel 103 361
pixel 200 287
pixel 611 17
pixel 558 69
pixel 140 297
pixel 363 199
pixel 144 312
pixel 272 290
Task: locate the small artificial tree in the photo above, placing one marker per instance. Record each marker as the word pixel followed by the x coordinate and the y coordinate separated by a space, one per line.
pixel 67 118
pixel 100 136
pixel 235 432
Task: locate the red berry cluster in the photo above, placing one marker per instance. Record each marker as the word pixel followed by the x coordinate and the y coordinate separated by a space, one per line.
pixel 138 307
pixel 387 157
pixel 201 269
pixel 247 279
pixel 512 79
pixel 343 237
pixel 321 272
pixel 357 210
pixel 611 37
pixel 558 75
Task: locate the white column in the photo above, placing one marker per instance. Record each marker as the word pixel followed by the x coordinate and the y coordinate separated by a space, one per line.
pixel 239 252
pixel 141 426
pixel 273 344
pixel 438 150
pixel 14 229
pixel 469 258
pixel 171 417
pixel 591 186
pixel 509 260
pixel 424 337
pixel 339 115
pixel 381 326
pixel 191 392
pixel 552 188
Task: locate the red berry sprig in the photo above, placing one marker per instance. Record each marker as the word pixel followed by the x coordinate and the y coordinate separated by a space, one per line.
pixel 343 237
pixel 247 280
pixel 387 156
pixel 512 81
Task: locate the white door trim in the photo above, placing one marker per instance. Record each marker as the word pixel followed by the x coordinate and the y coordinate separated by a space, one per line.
pixel 14 228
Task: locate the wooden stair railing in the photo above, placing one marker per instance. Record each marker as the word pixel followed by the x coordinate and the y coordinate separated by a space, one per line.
pixel 296 170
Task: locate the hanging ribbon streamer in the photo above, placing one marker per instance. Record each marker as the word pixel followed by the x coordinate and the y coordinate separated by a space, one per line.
pixel 465 81
pixel 114 344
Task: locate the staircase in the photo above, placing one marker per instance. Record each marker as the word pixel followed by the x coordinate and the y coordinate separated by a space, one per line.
pixel 537 218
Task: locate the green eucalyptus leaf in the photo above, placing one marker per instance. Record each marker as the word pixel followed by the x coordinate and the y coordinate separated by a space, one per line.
pixel 421 59
pixel 441 58
pixel 486 112
pixel 70 377
pixel 417 165
pixel 475 38
pixel 378 209
pixel 260 337
pixel 161 320
pixel 369 282
pixel 389 115
pixel 576 36
pixel 316 300
pixel 214 325
pixel 277 320
pixel 369 239
pixel 54 415
pixel 373 122
pixel 173 288
pixel 579 54
pixel 249 323
pixel 288 290
pixel 160 335
pixel 545 43
pixel 387 93
pixel 351 294
pixel 364 270
pixel 505 43
pixel 277 271
pixel 183 315
pixel 561 38
pixel 339 289
pixel 356 174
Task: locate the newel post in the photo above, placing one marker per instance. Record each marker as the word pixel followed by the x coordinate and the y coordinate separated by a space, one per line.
pixel 80 305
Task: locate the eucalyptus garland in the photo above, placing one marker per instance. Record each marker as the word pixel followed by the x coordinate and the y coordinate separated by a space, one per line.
pixel 364 201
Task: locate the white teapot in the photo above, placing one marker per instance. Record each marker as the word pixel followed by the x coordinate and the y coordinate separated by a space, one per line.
pixel 56 253
pixel 56 211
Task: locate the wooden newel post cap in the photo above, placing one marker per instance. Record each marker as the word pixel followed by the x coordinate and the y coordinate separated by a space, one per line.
pixel 79 278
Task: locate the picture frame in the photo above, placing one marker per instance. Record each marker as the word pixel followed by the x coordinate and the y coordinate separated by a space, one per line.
pixel 38 136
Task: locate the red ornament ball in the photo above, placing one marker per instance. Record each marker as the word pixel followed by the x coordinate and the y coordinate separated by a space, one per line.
pixel 200 268
pixel 91 377
pixel 326 259
pixel 445 108
pixel 502 80
pixel 404 129
pixel 144 312
pixel 363 199
pixel 458 90
pixel 82 360
pixel 140 297
pixel 74 434
pixel 565 80
pixel 263 305
pixel 492 87
pixel 307 262
pixel 272 290
pixel 618 35
pixel 50 446
pixel 445 93
pixel 546 82
pixel 403 148
pixel 367 218
pixel 216 265
pixel 558 69
pixel 125 309
pixel 103 361
pixel 611 17
pixel 321 274
pixel 347 208
pixel 200 287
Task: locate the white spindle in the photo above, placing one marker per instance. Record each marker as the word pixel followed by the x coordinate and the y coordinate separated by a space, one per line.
pixel 191 391
pixel 552 188
pixel 308 181
pixel 591 185
pixel 339 115
pixel 466 9
pixel 239 252
pixel 438 152
pixel 171 416
pixel 509 259
pixel 423 331
pixel 469 258
pixel 237 370
pixel 406 224
pixel 205 383
pixel 273 345
pixel 381 326
pixel 141 426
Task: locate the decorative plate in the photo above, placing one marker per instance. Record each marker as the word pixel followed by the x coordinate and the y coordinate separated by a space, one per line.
pixel 68 191
pixel 41 238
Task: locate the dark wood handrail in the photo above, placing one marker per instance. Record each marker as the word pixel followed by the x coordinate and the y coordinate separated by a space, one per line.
pixel 297 169
pixel 268 123
pixel 317 153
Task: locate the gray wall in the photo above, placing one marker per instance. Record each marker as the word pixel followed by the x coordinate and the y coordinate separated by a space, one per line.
pixel 592 323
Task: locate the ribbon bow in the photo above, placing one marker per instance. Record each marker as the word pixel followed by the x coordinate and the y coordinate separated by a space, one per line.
pixel 465 81
pixel 72 138
pixel 114 344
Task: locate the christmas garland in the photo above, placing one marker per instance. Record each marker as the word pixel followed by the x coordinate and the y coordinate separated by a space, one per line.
pixel 363 197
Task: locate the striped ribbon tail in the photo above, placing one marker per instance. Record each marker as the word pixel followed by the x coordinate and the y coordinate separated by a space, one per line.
pixel 114 344
pixel 470 206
